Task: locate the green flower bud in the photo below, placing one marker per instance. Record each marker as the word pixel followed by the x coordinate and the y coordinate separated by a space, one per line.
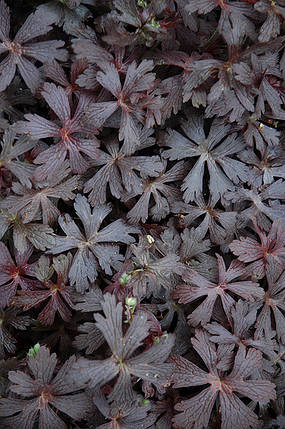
pixel 33 350
pixel 142 3
pixel 125 278
pixel 149 239
pixel 131 302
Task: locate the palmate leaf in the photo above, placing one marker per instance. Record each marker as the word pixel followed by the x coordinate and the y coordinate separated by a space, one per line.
pixel 13 275
pixel 267 166
pixel 216 151
pixel 150 271
pixel 162 193
pixel 132 416
pixel 198 286
pixel 233 24
pixel 126 415
pixel 121 172
pixel 230 96
pixel 270 249
pixel 23 46
pixel 74 138
pixel 136 99
pixel 57 292
pixel 46 390
pixel 129 13
pixel 55 72
pixel 71 14
pixel 264 204
pixel 243 319
pixel 29 203
pixel 258 134
pixel 149 365
pixel 196 412
pixel 220 223
pixel 95 248
pixel 39 235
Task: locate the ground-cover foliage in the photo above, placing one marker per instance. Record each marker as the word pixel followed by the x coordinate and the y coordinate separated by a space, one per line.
pixel 142 214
